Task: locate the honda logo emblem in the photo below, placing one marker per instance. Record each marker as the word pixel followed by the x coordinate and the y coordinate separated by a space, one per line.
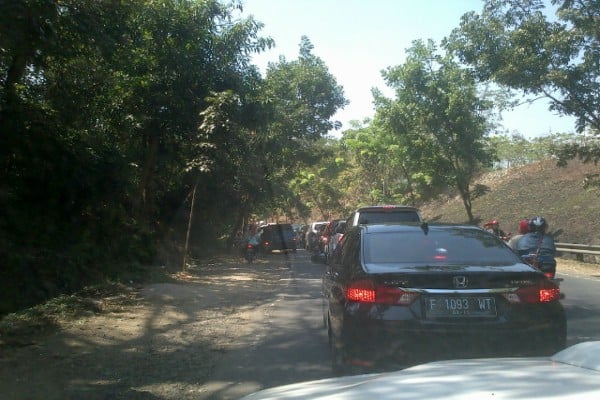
pixel 460 282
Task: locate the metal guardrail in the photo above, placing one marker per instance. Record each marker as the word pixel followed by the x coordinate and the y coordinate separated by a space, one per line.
pixel 578 249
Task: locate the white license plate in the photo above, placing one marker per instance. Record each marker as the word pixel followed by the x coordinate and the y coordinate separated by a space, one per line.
pixel 458 306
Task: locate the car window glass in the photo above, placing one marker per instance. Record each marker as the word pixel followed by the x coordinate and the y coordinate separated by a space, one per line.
pixel 443 247
pixel 387 217
pixel 351 247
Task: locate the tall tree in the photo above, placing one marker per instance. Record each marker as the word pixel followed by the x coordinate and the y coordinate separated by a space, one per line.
pixel 100 105
pixel 380 172
pixel 515 44
pixel 184 51
pixel 519 45
pixel 317 185
pixel 439 118
pixel 302 97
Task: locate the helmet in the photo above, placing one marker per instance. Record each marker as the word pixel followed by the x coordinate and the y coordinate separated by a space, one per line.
pixel 523 226
pixel 538 224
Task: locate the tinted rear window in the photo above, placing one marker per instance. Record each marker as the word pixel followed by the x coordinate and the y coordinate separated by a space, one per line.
pixel 456 246
pixel 280 229
pixel 382 217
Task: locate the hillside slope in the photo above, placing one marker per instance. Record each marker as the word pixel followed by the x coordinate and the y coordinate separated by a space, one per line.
pixel 536 189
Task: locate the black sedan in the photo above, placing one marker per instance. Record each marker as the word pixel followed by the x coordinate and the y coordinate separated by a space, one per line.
pixel 395 292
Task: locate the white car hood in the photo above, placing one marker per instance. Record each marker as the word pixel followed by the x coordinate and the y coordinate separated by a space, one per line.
pixel 573 373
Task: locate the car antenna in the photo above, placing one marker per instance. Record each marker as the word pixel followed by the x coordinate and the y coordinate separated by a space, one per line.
pixel 425 228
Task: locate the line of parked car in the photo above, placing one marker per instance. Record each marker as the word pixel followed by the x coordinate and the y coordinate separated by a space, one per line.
pixel 396 288
pixel 323 237
pixel 276 237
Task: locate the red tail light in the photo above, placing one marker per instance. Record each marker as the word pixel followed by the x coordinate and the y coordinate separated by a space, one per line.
pixel 361 291
pixel 366 291
pixel 549 274
pixel 544 293
pixel 549 294
pixel 249 246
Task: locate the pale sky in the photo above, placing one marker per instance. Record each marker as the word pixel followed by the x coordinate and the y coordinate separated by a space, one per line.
pixel 357 39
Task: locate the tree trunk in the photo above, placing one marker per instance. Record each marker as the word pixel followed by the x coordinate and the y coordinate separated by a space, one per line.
pixel 8 104
pixel 237 226
pixel 189 228
pixel 466 199
pixel 143 202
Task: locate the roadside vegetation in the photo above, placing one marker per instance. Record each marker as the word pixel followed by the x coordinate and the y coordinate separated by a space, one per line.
pixel 136 134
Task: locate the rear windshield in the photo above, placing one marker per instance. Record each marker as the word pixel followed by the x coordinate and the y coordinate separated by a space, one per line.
pixel 281 228
pixel 447 247
pixel 382 217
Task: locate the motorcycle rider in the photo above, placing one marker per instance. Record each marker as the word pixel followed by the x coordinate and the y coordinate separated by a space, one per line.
pixel 252 237
pixel 494 227
pixel 537 242
pixel 523 229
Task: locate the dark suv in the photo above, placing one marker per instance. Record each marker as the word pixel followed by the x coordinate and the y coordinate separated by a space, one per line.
pixel 277 237
pixel 383 215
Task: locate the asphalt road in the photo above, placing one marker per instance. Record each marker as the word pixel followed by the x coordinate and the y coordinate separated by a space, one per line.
pixel 582 304
pixel 292 343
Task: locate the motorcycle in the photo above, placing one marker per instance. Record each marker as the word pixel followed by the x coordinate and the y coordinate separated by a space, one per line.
pixel 544 264
pixel 250 252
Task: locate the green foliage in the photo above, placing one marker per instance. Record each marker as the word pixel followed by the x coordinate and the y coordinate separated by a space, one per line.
pixel 304 96
pixel 318 185
pixel 479 190
pixel 517 45
pixel 300 98
pixel 516 150
pixel 111 112
pixel 99 112
pixel 437 120
pixel 368 155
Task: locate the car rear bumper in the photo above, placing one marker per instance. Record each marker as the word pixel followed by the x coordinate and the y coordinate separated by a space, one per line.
pixel 538 331
pixel 279 246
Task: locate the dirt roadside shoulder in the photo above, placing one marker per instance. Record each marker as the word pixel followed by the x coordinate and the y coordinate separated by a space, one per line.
pixel 573 267
pixel 161 343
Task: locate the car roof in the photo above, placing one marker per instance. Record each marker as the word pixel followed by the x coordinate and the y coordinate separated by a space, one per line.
pixel 388 207
pixel 413 226
pixel 275 224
